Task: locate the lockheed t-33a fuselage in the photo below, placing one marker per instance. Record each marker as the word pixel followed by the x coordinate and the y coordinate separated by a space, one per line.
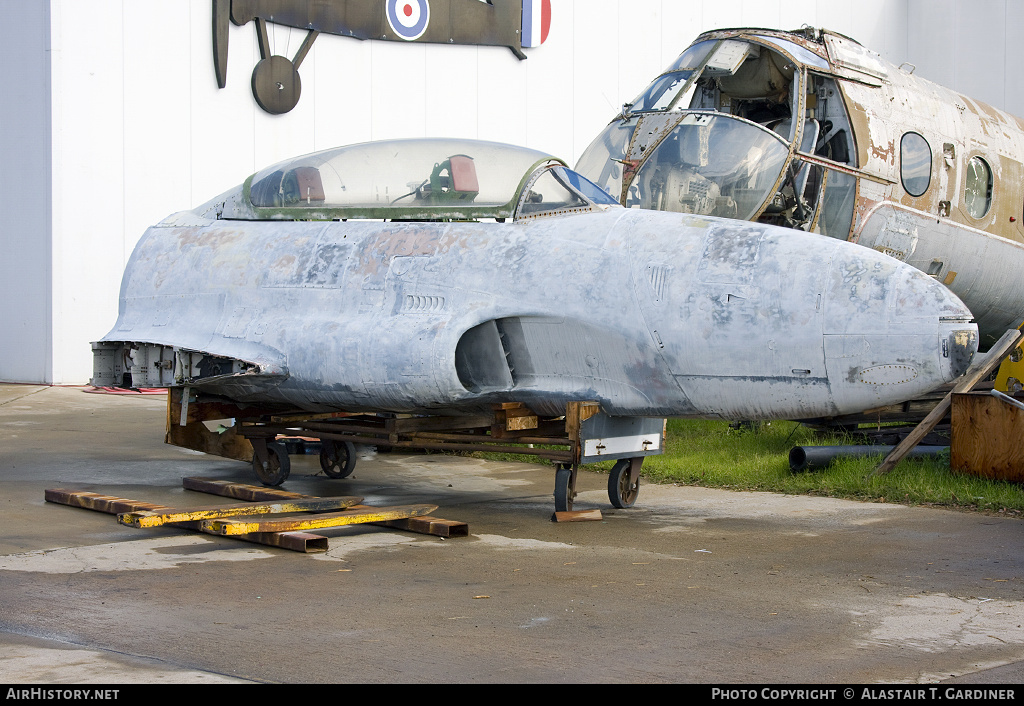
pixel 424 280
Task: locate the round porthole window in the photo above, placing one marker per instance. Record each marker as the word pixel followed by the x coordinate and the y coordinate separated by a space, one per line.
pixel 915 163
pixel 978 187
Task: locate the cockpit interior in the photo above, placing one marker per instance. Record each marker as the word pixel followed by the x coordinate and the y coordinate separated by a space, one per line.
pixel 750 126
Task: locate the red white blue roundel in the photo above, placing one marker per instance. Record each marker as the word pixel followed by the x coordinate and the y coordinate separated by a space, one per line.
pixel 408 18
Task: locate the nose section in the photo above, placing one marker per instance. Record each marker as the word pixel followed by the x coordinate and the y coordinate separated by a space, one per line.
pixel 921 302
pixel 958 341
pixel 893 333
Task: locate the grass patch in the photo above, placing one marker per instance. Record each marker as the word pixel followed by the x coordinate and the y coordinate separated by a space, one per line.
pixel 711 454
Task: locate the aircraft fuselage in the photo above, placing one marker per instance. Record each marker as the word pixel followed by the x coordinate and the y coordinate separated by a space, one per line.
pixel 651 314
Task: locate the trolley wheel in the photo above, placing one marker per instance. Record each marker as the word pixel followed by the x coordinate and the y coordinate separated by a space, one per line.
pixel 337 458
pixel 621 492
pixel 564 489
pixel 275 471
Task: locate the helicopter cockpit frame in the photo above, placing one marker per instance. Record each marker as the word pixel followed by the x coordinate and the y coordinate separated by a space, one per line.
pixel 715 135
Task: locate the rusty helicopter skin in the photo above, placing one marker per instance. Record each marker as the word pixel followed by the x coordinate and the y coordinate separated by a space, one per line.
pixel 442 277
pixel 810 130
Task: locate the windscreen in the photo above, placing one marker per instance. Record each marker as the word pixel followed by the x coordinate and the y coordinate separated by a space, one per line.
pixel 713 165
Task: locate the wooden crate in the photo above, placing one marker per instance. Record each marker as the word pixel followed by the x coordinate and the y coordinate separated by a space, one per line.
pixel 987 437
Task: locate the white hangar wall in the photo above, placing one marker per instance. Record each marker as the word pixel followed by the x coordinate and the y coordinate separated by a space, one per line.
pixel 25 282
pixel 119 120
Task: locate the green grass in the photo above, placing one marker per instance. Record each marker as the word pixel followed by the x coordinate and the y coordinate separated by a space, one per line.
pixel 713 455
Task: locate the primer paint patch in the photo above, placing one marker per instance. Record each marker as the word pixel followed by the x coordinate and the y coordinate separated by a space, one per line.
pixel 134 555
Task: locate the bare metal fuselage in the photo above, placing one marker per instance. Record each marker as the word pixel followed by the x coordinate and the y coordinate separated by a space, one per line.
pixel 648 313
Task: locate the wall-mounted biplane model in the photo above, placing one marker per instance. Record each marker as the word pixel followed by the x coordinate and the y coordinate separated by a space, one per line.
pixel 442 278
pixel 812 131
pixel 276 85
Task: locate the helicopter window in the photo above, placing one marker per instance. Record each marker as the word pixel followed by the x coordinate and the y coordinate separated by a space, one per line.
pixel 837 205
pixel 978 189
pixel 662 91
pixel 915 163
pixel 804 56
pixel 693 57
pixel 711 165
pixel 601 162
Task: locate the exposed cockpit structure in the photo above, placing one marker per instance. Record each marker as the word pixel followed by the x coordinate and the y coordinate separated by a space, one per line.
pixel 811 131
pixel 715 136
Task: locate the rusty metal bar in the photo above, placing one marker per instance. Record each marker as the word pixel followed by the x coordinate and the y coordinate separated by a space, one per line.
pixel 318 427
pixel 294 541
pixel 364 515
pixel 458 438
pixel 425 524
pixel 107 504
pixel 407 432
pixel 551 454
pixel 306 417
pixel 415 424
pixel 415 443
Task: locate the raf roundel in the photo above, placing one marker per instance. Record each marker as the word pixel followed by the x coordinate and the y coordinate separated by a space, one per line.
pixel 408 18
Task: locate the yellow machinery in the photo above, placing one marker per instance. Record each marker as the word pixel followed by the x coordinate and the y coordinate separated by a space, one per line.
pixel 1010 377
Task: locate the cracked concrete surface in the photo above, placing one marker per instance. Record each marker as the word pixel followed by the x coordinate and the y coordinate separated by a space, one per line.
pixel 691 585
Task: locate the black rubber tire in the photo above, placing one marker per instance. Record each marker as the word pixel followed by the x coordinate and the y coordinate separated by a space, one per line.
pixel 278 466
pixel 337 458
pixel 563 495
pixel 621 493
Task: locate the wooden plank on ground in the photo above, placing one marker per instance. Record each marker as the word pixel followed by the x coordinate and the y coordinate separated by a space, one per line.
pixel 363 515
pixel 424 524
pixel 239 491
pixel 579 516
pixel 111 505
pixel 153 518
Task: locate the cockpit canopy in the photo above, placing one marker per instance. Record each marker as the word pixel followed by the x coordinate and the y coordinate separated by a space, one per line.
pixel 746 124
pixel 427 179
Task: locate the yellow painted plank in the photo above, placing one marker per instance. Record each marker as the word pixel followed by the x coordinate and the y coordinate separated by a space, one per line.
pixel 154 518
pixel 308 522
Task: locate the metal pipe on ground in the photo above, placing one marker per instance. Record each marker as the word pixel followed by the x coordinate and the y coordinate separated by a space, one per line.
pixel 811 458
